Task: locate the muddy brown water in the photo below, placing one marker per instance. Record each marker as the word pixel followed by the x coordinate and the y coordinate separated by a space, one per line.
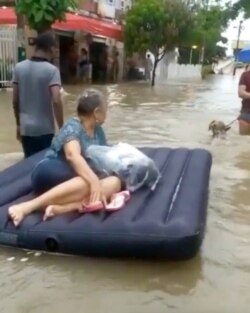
pixel 217 280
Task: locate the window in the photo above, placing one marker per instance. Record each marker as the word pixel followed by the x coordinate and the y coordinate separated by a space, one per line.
pixel 110 2
pixel 122 4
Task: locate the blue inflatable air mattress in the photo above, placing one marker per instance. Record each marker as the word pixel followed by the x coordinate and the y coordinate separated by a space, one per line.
pixel 167 223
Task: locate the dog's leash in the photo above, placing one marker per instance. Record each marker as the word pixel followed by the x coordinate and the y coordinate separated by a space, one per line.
pixel 232 122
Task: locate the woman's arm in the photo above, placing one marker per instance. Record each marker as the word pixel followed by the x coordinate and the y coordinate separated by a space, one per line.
pixel 242 92
pixel 73 155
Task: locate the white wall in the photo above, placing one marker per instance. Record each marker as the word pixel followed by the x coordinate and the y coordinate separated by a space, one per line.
pixel 107 8
pixel 168 69
pixel 123 4
pixel 177 72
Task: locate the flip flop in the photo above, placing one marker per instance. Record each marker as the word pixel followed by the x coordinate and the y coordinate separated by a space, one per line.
pixel 124 193
pixel 94 207
pixel 118 201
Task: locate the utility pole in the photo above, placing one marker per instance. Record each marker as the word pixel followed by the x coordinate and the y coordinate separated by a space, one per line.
pixel 238 45
pixel 238 39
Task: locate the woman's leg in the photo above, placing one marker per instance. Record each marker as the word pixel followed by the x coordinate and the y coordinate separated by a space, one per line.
pixel 110 186
pixel 244 127
pixel 72 191
pixel 50 173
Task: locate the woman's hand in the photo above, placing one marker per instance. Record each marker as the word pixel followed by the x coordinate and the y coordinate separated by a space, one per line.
pixel 73 155
pixel 96 192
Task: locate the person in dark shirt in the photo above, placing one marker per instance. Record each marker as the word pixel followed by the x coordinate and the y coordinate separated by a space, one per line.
pixel 36 97
pixel 244 94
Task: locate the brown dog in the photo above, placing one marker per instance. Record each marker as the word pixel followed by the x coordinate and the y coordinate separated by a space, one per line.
pixel 218 128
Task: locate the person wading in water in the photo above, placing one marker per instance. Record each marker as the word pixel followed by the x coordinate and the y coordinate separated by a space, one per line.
pixel 244 94
pixel 36 97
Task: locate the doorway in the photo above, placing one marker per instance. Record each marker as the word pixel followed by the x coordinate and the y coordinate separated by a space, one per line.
pixel 68 59
pixel 98 53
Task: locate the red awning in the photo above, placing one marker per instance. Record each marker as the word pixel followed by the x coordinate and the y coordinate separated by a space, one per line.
pixel 73 23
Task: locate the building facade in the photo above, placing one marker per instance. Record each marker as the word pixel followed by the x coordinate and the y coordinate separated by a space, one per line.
pixel 104 46
pixel 110 9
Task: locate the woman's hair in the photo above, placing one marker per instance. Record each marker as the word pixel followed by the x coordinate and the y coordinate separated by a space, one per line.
pixel 44 42
pixel 89 101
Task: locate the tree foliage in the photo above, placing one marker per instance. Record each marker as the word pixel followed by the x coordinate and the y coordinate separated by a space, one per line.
pixel 212 18
pixel 155 25
pixel 242 5
pixel 210 22
pixel 41 14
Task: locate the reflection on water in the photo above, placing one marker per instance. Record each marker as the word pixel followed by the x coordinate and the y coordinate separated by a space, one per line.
pixel 216 281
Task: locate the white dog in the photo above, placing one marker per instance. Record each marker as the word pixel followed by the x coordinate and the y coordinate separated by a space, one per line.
pixel 218 128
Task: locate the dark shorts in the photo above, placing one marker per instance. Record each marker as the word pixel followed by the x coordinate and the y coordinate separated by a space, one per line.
pixel 33 145
pixel 244 116
pixel 52 172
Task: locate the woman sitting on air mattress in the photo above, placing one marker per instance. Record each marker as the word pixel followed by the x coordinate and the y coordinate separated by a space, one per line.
pixel 66 180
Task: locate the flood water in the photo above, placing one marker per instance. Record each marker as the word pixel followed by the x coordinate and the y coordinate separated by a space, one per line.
pixel 217 280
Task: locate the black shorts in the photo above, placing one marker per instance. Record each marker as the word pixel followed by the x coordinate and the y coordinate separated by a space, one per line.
pixel 244 116
pixel 51 172
pixel 33 145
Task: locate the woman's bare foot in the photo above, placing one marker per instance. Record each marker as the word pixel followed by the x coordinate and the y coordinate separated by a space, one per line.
pixel 51 211
pixel 17 213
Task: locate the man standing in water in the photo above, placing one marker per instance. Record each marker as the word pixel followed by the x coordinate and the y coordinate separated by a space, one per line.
pixel 244 94
pixel 36 97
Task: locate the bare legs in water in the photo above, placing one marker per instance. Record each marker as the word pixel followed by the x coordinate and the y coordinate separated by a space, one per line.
pixel 244 127
pixel 63 198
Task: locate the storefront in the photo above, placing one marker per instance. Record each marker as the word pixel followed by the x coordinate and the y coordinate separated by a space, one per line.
pixel 100 38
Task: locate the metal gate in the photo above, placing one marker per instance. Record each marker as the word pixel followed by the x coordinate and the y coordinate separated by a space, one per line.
pixel 8 54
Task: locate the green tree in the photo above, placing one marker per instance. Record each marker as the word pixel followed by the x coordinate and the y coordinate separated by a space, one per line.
pixel 158 26
pixel 243 5
pixel 211 20
pixel 41 14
